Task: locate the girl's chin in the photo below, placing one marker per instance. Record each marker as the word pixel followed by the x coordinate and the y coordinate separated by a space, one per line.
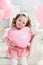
pixel 18 28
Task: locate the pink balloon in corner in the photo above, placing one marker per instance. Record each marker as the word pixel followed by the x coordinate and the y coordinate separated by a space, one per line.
pixel 5 4
pixel 39 14
pixel 7 8
pixel 9 12
pixel 1 14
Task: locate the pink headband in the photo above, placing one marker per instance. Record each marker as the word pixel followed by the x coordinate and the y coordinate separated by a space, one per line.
pixel 24 12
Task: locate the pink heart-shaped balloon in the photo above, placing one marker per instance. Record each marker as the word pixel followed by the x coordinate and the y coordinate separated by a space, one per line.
pixel 22 37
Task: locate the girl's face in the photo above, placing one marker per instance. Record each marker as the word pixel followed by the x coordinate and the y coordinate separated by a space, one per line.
pixel 21 22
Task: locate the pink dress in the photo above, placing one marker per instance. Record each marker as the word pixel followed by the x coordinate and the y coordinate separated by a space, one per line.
pixel 18 51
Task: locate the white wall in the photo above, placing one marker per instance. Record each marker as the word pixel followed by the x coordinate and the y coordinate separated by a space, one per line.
pixel 4 23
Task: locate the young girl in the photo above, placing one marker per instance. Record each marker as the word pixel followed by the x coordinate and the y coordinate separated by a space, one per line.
pixel 19 51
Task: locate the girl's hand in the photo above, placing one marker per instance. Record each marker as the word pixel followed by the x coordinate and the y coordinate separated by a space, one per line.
pixel 29 44
pixel 13 44
pixel 9 43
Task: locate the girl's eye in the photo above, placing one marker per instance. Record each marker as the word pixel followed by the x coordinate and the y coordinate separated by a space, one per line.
pixel 20 20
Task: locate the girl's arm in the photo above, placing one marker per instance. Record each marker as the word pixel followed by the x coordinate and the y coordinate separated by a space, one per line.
pixel 31 35
pixel 8 42
pixel 5 38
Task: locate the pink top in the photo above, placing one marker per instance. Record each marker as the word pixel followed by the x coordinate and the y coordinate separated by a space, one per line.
pixel 22 38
